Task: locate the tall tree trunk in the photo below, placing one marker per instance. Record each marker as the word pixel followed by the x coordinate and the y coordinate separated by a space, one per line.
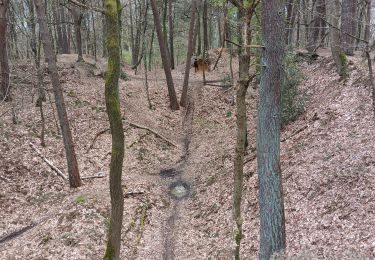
pixel 74 177
pixel 4 66
pixel 338 54
pixel 165 58
pixel 55 10
pixel 185 85
pixel 348 25
pixel 318 24
pixel 114 114
pixel 271 205
pixel 64 34
pixel 151 48
pixel 77 18
pixel 244 38
pixel 104 34
pixel 35 49
pixel 132 40
pixel 205 39
pixel 289 10
pixel 170 25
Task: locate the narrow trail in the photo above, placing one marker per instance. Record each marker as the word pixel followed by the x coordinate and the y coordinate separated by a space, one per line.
pixel 179 183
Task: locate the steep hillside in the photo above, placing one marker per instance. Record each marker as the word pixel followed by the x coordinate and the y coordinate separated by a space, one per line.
pixel 327 162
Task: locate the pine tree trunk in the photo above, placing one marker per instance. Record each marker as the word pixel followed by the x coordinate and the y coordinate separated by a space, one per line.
pixel 74 177
pixel 4 66
pixel 165 58
pixel 271 206
pixel 185 85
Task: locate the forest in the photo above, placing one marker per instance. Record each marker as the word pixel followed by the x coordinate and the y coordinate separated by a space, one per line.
pixel 175 129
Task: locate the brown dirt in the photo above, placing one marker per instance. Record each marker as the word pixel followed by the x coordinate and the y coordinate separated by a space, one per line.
pixel 328 170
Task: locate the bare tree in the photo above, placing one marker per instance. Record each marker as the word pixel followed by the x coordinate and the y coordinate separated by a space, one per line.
pixel 4 66
pixel 271 206
pixel 74 177
pixel 165 58
pixel 170 27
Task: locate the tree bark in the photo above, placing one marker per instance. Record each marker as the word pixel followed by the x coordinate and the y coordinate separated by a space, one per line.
pixel 185 85
pixel 348 25
pixel 244 39
pixel 318 24
pixel 171 27
pixel 271 205
pixel 77 18
pixel 74 177
pixel 114 115
pixel 338 53
pixel 165 58
pixel 4 65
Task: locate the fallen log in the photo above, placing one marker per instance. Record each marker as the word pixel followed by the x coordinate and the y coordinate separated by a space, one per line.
pixel 50 164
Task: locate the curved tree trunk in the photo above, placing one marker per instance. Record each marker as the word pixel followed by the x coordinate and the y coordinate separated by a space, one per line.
pixel 4 66
pixel 74 177
pixel 114 115
pixel 271 206
pixel 165 58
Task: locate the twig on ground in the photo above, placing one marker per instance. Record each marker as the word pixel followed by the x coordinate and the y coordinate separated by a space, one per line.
pixel 50 164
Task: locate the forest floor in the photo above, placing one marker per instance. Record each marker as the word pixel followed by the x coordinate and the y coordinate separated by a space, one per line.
pixel 327 160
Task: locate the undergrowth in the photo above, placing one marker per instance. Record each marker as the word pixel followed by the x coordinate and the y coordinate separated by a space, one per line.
pixel 292 99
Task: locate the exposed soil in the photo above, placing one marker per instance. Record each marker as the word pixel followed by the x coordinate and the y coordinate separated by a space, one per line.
pixel 328 169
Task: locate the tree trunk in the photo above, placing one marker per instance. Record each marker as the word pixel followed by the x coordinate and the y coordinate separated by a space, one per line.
pixel 185 85
pixel 165 58
pixel 289 10
pixel 64 34
pixel 318 24
pixel 77 17
pixel 271 205
pixel 4 66
pixel 114 115
pixel 348 25
pixel 244 39
pixel 336 46
pixel 170 25
pixel 74 177
pixel 205 39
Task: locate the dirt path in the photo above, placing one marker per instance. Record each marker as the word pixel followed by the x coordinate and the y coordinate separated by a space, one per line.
pixel 179 183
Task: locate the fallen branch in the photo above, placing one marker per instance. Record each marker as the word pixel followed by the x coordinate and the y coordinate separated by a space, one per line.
pixel 132 125
pixel 154 132
pixel 100 175
pixel 133 194
pixel 218 58
pixel 294 133
pixel 50 164
pixel 96 137
pixel 16 233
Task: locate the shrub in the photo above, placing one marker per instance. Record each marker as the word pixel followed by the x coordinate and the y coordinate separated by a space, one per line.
pixel 292 99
